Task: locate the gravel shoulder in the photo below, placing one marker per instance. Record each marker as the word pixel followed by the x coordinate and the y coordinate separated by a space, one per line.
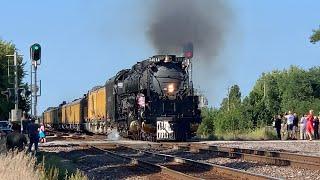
pixel 282 172
pixel 299 146
pixel 97 165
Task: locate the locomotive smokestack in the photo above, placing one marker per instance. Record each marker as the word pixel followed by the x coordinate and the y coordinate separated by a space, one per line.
pixel 188 50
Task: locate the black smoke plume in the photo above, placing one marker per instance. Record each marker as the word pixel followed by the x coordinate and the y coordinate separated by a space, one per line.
pixel 204 23
pixel 173 23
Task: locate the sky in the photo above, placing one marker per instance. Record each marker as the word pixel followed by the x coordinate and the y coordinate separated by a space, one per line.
pixel 84 43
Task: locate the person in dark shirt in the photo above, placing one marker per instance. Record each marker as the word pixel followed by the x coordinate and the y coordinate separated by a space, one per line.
pixel 277 125
pixel 16 140
pixel 33 135
pixel 316 127
pixel 295 126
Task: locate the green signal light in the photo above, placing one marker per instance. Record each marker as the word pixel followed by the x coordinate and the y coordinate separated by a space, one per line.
pixel 35 52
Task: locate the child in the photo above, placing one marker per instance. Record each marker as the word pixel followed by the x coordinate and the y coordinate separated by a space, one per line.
pixel 42 134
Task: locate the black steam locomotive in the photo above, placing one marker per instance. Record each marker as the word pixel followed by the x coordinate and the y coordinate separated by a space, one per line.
pixel 154 100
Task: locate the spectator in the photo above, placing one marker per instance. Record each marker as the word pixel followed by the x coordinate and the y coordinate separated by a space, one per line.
pixel 295 126
pixel 2 134
pixel 42 134
pixel 289 118
pixel 33 135
pixel 303 123
pixel 277 125
pixel 316 127
pixel 15 139
pixel 283 125
pixel 309 127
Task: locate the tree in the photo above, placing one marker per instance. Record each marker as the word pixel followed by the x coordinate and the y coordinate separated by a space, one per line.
pixel 233 99
pixel 231 121
pixel 235 96
pixel 315 37
pixel 231 116
pixel 293 89
pixel 5 105
pixel 206 127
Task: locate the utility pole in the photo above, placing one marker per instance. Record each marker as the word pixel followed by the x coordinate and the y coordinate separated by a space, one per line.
pixel 16 112
pixel 264 95
pixel 228 98
pixel 16 86
pixel 264 77
pixel 264 89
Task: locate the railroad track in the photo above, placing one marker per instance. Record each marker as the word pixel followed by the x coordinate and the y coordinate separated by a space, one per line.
pixel 177 167
pixel 60 135
pixel 262 156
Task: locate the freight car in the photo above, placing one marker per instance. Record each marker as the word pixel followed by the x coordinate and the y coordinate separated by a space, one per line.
pixel 73 114
pixel 97 110
pixel 154 100
pixel 52 116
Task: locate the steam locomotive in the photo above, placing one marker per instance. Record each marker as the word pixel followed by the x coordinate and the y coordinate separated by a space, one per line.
pixel 154 100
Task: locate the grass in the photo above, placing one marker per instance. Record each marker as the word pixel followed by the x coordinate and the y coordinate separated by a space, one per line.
pixel 59 168
pixel 2 145
pixel 251 135
pixel 20 165
pixel 16 165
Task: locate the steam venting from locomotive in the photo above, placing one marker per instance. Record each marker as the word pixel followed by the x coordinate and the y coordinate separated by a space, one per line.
pixel 174 23
pixel 113 135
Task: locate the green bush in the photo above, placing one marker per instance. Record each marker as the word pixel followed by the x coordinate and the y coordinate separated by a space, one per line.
pixel 206 128
pixel 250 135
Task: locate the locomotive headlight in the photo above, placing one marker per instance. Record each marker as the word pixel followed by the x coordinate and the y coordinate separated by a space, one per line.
pixel 170 88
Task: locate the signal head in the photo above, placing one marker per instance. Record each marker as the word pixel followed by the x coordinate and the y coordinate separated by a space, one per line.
pixel 35 52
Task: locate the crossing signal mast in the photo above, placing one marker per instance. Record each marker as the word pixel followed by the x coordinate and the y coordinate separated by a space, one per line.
pixel 13 93
pixel 35 56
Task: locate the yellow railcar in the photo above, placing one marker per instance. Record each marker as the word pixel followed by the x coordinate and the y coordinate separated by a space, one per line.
pixel 52 117
pixel 97 110
pixel 46 117
pixel 73 114
pixel 97 104
pixel 63 114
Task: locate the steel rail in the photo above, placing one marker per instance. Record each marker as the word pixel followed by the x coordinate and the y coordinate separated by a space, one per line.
pixel 263 156
pixel 149 166
pixel 272 157
pixel 225 172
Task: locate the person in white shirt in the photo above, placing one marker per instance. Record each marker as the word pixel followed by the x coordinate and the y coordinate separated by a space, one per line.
pixel 290 118
pixel 303 123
